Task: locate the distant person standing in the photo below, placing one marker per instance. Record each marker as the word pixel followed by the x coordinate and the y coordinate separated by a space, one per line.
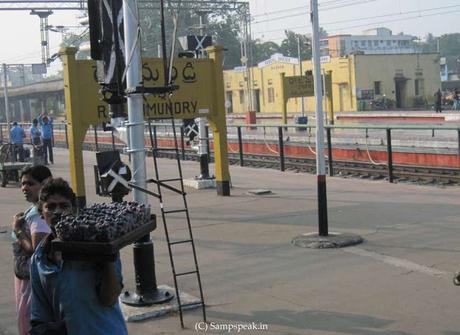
pixel 17 136
pixel 456 99
pixel 36 141
pixel 46 125
pixel 438 101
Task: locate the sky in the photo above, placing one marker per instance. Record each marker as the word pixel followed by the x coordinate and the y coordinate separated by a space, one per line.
pixel 20 31
pixel 413 17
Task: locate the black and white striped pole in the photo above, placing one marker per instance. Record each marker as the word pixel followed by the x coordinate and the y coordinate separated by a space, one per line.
pixel 320 161
pixel 323 239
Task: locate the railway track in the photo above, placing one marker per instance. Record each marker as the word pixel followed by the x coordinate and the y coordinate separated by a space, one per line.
pixel 362 170
pixel 346 169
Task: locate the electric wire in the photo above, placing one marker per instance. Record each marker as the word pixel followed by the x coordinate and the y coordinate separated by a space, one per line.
pixel 303 13
pixel 361 25
pixel 369 154
pixel 267 145
pixel 175 18
pixel 326 24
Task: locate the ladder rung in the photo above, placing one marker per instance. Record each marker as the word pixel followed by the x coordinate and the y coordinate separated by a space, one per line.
pixel 186 273
pixel 181 242
pixel 169 187
pixel 192 304
pixel 167 180
pixel 175 211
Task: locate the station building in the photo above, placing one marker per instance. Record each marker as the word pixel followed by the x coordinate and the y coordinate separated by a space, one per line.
pixel 408 80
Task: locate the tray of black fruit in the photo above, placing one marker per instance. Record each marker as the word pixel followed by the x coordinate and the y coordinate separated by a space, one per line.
pixel 100 231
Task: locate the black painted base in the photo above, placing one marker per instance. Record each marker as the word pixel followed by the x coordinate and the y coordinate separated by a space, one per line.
pixel 322 206
pixel 223 188
pixel 157 296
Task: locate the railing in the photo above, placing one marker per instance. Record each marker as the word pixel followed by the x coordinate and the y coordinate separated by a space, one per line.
pixel 274 138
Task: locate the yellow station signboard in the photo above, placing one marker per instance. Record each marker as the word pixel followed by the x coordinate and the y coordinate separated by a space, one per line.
pixel 298 86
pixel 194 98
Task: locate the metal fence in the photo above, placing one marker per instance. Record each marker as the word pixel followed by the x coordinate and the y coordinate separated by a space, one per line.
pixel 275 139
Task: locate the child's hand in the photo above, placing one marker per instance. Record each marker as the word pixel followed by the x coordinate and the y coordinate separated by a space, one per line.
pixel 18 221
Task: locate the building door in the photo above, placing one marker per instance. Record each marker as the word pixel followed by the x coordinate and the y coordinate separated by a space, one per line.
pixel 229 102
pixel 400 91
pixel 257 96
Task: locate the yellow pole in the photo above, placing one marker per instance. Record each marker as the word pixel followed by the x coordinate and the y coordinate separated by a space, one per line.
pixel 283 100
pixel 76 128
pixel 330 106
pixel 218 124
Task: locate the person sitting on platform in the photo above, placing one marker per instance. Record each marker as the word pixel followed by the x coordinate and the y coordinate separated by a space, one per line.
pixel 72 297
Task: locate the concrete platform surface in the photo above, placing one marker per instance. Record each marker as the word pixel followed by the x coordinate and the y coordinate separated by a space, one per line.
pixel 398 282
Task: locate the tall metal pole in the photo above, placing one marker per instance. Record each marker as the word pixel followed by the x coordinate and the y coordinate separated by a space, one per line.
pixel 134 101
pixel 245 61
pixel 5 93
pixel 147 292
pixel 201 121
pixel 320 161
pixel 302 104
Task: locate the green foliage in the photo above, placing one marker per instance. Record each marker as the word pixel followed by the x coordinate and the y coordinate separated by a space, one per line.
pixel 290 45
pixel 225 31
pixel 449 47
pixel 449 44
pixel 262 50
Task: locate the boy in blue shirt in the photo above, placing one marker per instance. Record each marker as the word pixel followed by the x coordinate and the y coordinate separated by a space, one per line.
pixel 76 297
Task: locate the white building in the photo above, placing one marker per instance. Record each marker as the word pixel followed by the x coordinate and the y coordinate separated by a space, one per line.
pixel 373 41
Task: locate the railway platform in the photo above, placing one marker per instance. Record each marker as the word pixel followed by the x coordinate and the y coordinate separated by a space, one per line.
pixel 398 282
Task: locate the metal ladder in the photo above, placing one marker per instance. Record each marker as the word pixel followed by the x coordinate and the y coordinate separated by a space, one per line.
pixel 165 183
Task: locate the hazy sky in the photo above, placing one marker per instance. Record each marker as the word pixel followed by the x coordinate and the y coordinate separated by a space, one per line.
pixel 20 33
pixel 414 17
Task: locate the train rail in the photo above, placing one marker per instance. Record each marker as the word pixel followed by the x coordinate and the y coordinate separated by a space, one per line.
pixel 346 169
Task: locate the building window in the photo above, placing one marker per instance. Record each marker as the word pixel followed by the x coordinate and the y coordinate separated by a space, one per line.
pixel 376 43
pixel 377 87
pixel 419 87
pixel 388 43
pixel 369 43
pixel 241 96
pixel 271 95
pixel 363 43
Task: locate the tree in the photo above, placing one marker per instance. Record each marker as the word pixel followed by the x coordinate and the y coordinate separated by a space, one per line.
pixel 322 32
pixel 225 32
pixel 290 45
pixel 262 50
pixel 449 47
